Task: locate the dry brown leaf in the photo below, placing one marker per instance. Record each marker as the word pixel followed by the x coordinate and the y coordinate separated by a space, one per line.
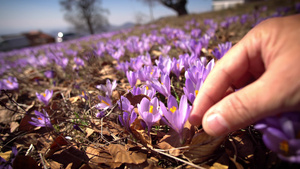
pixel 24 124
pixel 134 100
pixel 122 155
pixel 156 53
pixel 202 147
pixel 171 141
pixel 13 126
pixel 89 132
pixel 72 155
pixel 100 158
pixel 56 145
pixel 74 99
pixel 139 133
pixel 21 162
pixel 217 165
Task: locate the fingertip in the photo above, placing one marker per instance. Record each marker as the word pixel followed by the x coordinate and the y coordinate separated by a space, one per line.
pixel 195 118
pixel 214 124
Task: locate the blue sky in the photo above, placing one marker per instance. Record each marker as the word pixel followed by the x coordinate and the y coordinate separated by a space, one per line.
pixel 23 15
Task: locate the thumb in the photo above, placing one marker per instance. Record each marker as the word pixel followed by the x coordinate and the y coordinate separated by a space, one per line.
pixel 240 109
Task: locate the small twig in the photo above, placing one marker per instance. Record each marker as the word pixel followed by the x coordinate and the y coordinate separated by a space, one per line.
pixel 169 155
pixel 43 161
pixel 11 99
pixel 179 159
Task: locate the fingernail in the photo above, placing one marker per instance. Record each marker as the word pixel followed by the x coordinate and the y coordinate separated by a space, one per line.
pixel 216 124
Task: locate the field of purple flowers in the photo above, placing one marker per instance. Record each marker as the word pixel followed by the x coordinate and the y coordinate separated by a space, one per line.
pixel 122 99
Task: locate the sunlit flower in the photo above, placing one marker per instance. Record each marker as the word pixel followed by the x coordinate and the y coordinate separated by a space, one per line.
pixel 10 83
pixel 125 105
pixel 123 66
pixel 49 74
pixel 127 120
pixel 149 111
pixel 176 116
pixel 105 103
pixel 132 78
pixel 78 61
pixel 163 87
pixel 100 114
pixel 164 64
pixel 165 49
pixel 41 120
pixel 177 66
pixel 281 134
pixel 108 88
pixel 191 89
pixel 223 48
pixel 136 63
pixel 45 97
pixel 84 96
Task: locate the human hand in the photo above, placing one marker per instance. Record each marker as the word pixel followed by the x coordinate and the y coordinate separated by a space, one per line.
pixel 265 64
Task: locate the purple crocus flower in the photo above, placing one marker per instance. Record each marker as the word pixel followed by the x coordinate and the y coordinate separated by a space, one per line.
pixel 164 64
pixel 105 103
pixel 63 62
pixel 76 127
pixel 149 111
pixel 41 120
pixel 136 63
pixel 49 74
pixel 281 134
pixel 45 97
pixel 176 116
pixel 196 33
pixel 123 66
pixel 108 88
pixel 125 105
pixel 223 48
pixel 131 76
pixel 191 89
pixel 165 49
pixel 84 96
pixel 10 83
pixel 78 61
pixel 164 87
pixel 177 66
pixel 100 114
pixel 126 121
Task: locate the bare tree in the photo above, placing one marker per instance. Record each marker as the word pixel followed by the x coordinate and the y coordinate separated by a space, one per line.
pixel 178 5
pixel 85 15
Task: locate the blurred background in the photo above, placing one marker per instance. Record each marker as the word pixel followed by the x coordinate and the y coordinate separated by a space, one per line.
pixel 34 22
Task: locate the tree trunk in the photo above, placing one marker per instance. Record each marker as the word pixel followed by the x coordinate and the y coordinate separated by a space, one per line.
pixel 91 30
pixel 178 6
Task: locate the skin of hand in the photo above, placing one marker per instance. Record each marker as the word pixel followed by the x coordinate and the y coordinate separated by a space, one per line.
pixel 265 67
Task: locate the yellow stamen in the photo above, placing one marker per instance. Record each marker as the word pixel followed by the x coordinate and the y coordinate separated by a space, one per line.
pixel 173 109
pixel 44 94
pixel 162 83
pixel 82 93
pixel 9 82
pixel 39 118
pixel 284 146
pixel 151 109
pixel 196 92
pixel 102 101
pixel 147 88
pixel 177 65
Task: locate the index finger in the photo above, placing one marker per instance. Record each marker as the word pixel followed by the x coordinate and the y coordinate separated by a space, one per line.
pixel 238 63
